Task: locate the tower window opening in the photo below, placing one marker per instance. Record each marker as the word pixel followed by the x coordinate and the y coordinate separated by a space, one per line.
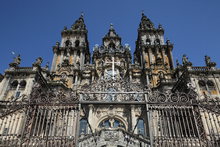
pixel 211 85
pixel 112 45
pixel 17 94
pixel 68 43
pixel 83 126
pixel 141 127
pixel 202 85
pixel 157 41
pixel 148 42
pixel 22 84
pixel 77 43
pixel 14 84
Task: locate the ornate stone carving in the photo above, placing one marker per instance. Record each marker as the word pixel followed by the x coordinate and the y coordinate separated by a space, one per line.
pixel 16 62
pixel 38 62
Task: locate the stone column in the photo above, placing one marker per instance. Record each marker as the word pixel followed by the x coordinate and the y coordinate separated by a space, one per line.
pixel 147 78
pixel 171 58
pixel 163 56
pixel 53 67
pixel 93 76
pixel 68 54
pixel 81 58
pixel 4 86
pixel 150 56
pixel 130 75
pixel 90 117
pixel 143 57
pixel 133 118
pixel 29 86
pixel 74 58
pixel 76 79
pixel 17 89
pixel 61 57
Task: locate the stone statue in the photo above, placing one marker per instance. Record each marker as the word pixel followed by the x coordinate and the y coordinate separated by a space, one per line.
pixel 17 59
pixel 77 63
pixel 16 62
pixel 177 63
pixel 66 59
pixel 160 27
pixel 168 42
pixel 184 59
pixel 47 66
pixel 135 60
pixel 38 62
pixel 161 75
pixel 57 44
pixel 207 60
pixel 87 59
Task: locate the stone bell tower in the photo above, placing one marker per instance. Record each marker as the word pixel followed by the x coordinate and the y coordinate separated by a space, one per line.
pixel 71 54
pixel 152 53
pixel 111 59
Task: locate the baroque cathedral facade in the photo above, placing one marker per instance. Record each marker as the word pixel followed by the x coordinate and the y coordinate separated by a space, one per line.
pixel 108 100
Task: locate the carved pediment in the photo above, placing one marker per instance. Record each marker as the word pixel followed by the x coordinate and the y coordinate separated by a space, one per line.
pixel 119 85
pixel 113 90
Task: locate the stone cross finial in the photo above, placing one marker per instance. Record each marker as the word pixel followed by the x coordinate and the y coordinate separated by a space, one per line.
pixel 111 26
pixel 186 61
pixel 208 62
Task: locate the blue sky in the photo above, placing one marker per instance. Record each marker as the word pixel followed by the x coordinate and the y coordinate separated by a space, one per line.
pixel 32 27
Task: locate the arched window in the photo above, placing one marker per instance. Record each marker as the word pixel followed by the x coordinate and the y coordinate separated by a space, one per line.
pixel 105 124
pixel 77 43
pixel 83 126
pixel 148 42
pixel 111 123
pixel 68 43
pixel 157 42
pixel 141 127
pixel 14 84
pixel 202 85
pixel 22 84
pixel 18 93
pixel 112 45
pixel 211 85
